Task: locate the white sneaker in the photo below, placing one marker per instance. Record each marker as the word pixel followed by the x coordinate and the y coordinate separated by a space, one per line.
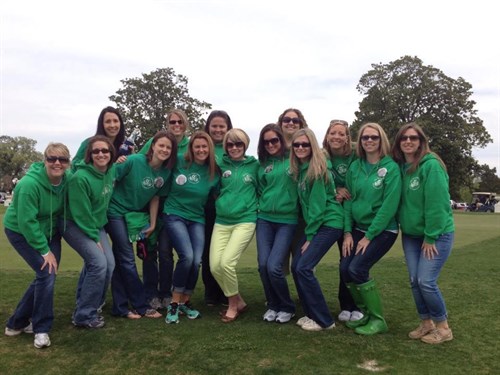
pixel 284 317
pixel 15 332
pixel 42 340
pixel 303 321
pixel 356 315
pixel 311 325
pixel 270 315
pixel 344 316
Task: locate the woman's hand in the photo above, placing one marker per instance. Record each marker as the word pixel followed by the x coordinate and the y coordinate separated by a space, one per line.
pixel 362 245
pixel 304 247
pixel 429 250
pixel 347 245
pixel 49 260
pixel 147 232
pixel 121 159
pixel 342 194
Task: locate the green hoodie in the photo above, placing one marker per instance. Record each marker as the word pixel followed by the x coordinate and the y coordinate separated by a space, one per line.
pixel 375 197
pixel 277 190
pixel 318 203
pixel 136 184
pixel 191 185
pixel 80 155
pixel 36 206
pixel 219 152
pixel 89 192
pixel 425 201
pixel 340 166
pixel 237 200
pixel 182 147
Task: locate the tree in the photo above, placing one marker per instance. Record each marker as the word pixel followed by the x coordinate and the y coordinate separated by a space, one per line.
pixel 404 91
pixel 144 102
pixel 489 181
pixel 16 155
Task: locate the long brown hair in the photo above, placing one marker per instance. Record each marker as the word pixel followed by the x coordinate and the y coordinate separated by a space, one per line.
pixel 189 155
pixel 317 162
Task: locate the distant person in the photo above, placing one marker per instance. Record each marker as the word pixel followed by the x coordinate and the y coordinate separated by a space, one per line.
pixel 290 121
pixel 110 124
pixel 217 125
pixel 236 209
pixel 276 222
pixel 89 192
pixel 31 227
pixel 324 219
pixel 426 221
pixel 370 226
pixel 339 148
pixel 133 211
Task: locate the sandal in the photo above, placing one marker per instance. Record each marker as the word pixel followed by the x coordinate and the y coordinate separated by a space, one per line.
pixel 132 315
pixel 227 319
pixel 152 313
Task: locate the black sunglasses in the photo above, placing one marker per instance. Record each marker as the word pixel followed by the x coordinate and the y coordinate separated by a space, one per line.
pixel 287 119
pixel 238 144
pixel 96 151
pixel 301 144
pixel 412 138
pixel 272 141
pixel 173 122
pixel 60 159
pixel 372 137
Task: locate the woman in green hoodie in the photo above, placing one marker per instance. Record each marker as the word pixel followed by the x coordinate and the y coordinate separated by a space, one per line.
pixel 370 226
pixel 89 192
pixel 428 230
pixel 236 214
pixel 31 227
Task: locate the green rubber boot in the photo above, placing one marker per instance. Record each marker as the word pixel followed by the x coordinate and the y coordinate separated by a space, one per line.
pixel 376 323
pixel 356 296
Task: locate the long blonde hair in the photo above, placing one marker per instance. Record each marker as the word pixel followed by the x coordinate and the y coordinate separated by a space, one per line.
pixel 317 162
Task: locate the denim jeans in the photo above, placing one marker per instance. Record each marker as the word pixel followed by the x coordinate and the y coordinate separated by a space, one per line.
pixel 188 239
pixel 126 284
pixel 273 247
pixel 158 268
pixel 356 268
pixel 424 274
pixel 346 301
pixel 37 302
pixel 303 264
pixel 96 273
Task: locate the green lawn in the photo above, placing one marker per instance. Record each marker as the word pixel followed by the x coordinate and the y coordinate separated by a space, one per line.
pixel 251 346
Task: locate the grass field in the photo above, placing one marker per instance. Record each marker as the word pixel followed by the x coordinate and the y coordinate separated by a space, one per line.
pixel 250 346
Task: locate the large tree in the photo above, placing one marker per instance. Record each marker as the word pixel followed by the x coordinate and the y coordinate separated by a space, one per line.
pixel 488 179
pixel 406 90
pixel 145 101
pixel 16 155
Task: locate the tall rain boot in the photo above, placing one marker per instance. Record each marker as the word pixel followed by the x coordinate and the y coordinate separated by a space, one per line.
pixel 356 296
pixel 371 297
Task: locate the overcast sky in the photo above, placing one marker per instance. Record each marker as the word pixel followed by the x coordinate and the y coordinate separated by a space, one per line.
pixel 60 61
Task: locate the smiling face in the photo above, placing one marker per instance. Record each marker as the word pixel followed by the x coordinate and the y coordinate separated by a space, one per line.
pixel 56 163
pixel 162 150
pixel 101 155
pixel 370 141
pixel 337 138
pixel 302 148
pixel 176 126
pixel 200 150
pixel 410 142
pixel 217 129
pixel 111 124
pixel 235 150
pixel 272 143
pixel 290 123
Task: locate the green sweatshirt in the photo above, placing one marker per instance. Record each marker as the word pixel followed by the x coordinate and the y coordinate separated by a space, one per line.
pixel 36 206
pixel 219 152
pixel 182 147
pixel 189 191
pixel 425 201
pixel 375 196
pixel 340 165
pixel 277 190
pixel 136 184
pixel 318 203
pixel 80 155
pixel 237 200
pixel 89 192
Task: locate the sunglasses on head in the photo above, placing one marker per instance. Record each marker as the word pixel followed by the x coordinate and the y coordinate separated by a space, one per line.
pixel 238 144
pixel 60 159
pixel 272 141
pixel 412 138
pixel 173 122
pixel 287 119
pixel 368 137
pixel 96 151
pixel 301 144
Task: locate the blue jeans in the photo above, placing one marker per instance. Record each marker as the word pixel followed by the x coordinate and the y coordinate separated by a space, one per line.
pixel 346 301
pixel 126 284
pixel 273 247
pixel 356 268
pixel 96 273
pixel 424 274
pixel 37 302
pixel 158 268
pixel 310 294
pixel 188 240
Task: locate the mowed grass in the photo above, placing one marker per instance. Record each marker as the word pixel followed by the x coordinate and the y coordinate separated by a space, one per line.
pixel 469 283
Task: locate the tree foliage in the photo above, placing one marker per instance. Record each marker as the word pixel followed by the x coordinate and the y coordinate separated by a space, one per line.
pixel 16 155
pixel 489 181
pixel 404 91
pixel 145 101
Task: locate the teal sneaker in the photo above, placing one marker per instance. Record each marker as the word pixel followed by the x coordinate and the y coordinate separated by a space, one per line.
pixel 172 314
pixel 187 309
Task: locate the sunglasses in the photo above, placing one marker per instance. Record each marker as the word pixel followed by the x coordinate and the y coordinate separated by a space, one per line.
pixel 238 144
pixel 272 141
pixel 173 122
pixel 303 144
pixel 412 138
pixel 287 119
pixel 96 151
pixel 60 159
pixel 368 137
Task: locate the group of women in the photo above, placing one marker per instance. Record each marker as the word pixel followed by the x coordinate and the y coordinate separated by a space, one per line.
pixel 200 194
